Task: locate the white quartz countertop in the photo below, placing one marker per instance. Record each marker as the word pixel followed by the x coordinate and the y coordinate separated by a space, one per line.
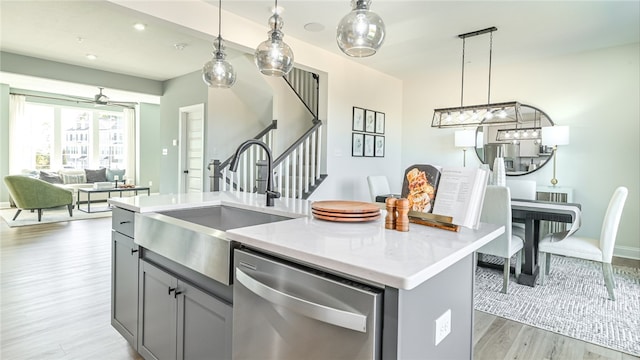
pixel 365 251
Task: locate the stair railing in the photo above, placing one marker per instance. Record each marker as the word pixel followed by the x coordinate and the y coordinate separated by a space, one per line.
pixel 306 85
pixel 297 169
pixel 222 179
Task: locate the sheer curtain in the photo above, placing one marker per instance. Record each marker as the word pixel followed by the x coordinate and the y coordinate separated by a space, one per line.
pixel 129 116
pixel 19 128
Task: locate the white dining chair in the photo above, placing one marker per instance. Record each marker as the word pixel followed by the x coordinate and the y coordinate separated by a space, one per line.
pixel 600 250
pixel 525 190
pixel 378 185
pixel 496 209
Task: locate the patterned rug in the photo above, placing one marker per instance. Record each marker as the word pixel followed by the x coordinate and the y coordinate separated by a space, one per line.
pixel 572 302
pixel 48 216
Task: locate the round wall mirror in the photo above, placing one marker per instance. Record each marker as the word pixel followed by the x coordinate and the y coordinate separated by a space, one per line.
pixel 520 143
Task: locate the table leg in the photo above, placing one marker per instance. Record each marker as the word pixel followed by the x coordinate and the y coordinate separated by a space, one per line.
pixel 529 273
pixel 89 202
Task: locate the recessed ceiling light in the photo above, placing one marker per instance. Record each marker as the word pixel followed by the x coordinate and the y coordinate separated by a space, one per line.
pixel 314 27
pixel 180 46
pixel 91 57
pixel 139 26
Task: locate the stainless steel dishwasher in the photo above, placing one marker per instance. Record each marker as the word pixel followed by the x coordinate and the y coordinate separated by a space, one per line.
pixel 284 311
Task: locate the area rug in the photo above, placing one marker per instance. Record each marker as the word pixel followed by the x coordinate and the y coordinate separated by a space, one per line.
pixel 27 218
pixel 572 302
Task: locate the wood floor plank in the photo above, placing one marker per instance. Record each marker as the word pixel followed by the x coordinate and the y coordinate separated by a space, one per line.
pixel 55 303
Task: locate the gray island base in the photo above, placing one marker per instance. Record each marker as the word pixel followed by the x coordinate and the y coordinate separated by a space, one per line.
pixel 169 310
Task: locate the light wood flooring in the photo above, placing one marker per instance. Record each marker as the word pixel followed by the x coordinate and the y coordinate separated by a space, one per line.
pixel 55 303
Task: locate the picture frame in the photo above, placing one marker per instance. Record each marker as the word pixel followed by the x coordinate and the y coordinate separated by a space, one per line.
pixel 358 119
pixel 357 144
pixel 379 123
pixel 369 145
pixel 379 146
pixel 370 121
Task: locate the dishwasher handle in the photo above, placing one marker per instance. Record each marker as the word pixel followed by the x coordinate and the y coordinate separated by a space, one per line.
pixel 337 317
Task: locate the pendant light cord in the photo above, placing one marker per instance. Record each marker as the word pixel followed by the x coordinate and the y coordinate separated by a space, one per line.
pixel 490 56
pixel 462 86
pixel 219 24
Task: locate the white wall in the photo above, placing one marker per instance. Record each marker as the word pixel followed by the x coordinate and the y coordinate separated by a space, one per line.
pixel 595 93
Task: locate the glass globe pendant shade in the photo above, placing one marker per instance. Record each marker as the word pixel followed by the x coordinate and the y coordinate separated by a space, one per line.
pixel 361 32
pixel 218 73
pixel 273 56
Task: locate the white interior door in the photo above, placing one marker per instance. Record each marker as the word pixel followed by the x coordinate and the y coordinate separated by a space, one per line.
pixel 191 160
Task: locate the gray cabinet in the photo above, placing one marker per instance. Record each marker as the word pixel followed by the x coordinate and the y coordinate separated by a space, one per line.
pixel 204 325
pixel 180 321
pixel 124 276
pixel 158 309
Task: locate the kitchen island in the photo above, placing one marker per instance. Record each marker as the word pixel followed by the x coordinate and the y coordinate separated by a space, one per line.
pixel 423 274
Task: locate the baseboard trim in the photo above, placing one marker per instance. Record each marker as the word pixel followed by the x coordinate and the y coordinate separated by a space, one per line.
pixel 627 252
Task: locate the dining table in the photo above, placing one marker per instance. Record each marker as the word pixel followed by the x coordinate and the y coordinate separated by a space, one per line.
pixel 531 213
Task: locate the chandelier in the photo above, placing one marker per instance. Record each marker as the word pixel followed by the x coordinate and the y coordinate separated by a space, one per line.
pixel 474 115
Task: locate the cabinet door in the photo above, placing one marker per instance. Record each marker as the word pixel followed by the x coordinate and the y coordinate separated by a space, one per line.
pixel 124 287
pixel 204 325
pixel 158 305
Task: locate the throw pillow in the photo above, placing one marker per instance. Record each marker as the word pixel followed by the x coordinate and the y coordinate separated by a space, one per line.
pixel 74 179
pixel 51 178
pixel 111 173
pixel 93 176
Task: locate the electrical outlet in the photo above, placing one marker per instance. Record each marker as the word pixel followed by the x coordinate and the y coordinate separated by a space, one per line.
pixel 150 183
pixel 443 326
pixel 165 151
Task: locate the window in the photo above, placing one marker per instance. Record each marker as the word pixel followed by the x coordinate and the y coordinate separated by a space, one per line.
pixel 80 138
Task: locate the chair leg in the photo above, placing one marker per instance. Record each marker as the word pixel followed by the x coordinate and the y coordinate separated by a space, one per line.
pixel 609 281
pixel 519 260
pixel 543 264
pixel 547 268
pixel 505 275
pixel 39 215
pixel 17 213
pixel 70 207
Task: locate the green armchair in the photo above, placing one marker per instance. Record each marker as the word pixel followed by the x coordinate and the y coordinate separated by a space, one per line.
pixel 34 194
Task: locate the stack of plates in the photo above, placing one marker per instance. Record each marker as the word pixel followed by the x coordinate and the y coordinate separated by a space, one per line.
pixel 345 211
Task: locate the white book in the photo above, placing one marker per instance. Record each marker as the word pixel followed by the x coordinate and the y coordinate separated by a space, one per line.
pixel 460 194
pixel 453 192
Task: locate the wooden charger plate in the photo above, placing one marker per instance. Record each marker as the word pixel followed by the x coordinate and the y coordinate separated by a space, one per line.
pixel 329 213
pixel 346 219
pixel 345 207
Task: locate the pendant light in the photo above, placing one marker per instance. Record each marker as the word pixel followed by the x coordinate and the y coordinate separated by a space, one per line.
pixel 218 73
pixel 273 56
pixel 361 32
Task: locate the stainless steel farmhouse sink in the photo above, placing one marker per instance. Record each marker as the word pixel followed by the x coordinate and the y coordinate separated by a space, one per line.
pixel 196 238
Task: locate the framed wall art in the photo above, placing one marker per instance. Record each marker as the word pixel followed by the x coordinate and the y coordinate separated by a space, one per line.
pixel 370 121
pixel 358 119
pixel 379 123
pixel 357 144
pixel 379 146
pixel 369 144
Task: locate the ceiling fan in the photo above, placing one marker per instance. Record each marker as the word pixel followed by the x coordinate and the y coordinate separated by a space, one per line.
pixel 103 100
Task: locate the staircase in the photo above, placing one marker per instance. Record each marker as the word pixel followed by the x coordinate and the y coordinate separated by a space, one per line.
pixel 297 171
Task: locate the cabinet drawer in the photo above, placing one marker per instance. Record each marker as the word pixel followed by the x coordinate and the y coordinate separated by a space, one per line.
pixel 122 221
